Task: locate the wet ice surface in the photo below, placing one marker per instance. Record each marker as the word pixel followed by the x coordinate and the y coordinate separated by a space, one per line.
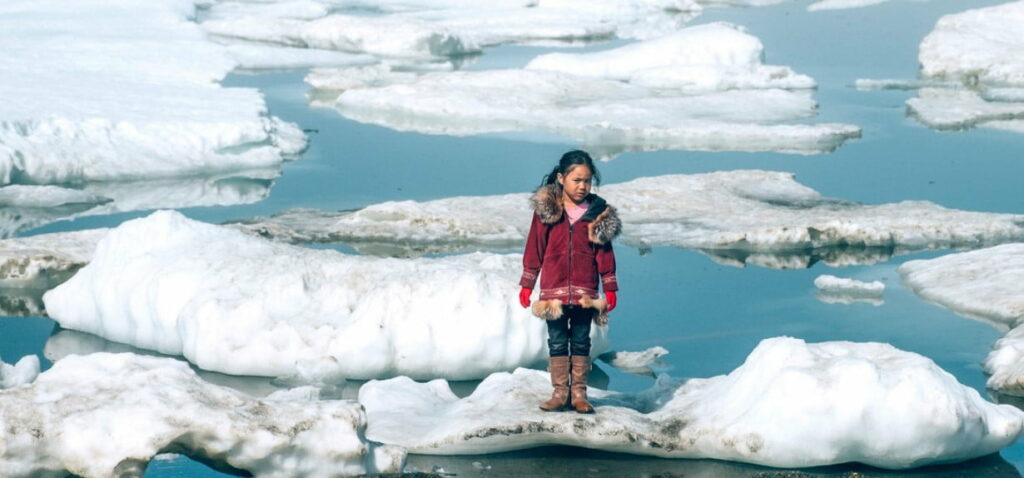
pixel 791 404
pixel 109 414
pixel 717 313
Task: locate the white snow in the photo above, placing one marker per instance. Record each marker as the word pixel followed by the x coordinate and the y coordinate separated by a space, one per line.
pixel 715 56
pixel 748 210
pixel 606 116
pixel 791 404
pixel 109 414
pixel 23 372
pixel 33 261
pixel 242 305
pixel 980 45
pixel 985 285
pixel 144 99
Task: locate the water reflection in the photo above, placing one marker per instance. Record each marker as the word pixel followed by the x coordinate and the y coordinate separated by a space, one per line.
pixel 572 462
pixel 123 196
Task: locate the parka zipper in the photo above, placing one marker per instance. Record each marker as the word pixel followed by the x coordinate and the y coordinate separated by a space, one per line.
pixel 570 261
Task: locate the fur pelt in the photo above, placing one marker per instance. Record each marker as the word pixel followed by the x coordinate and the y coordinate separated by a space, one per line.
pixel 547 203
pixel 552 309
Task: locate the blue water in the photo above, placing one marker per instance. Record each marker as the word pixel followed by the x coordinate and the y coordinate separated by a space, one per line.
pixel 708 315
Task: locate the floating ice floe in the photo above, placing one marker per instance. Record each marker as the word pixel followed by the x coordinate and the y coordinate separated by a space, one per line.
pixel 107 415
pixel 21 373
pixel 960 108
pixel 838 290
pixel 703 88
pixel 262 57
pixel 145 100
pixel 972 71
pixel 743 211
pixel 715 56
pixel 986 285
pixel 419 29
pixel 639 363
pixel 242 305
pixel 791 404
pixel 980 45
pixel 26 207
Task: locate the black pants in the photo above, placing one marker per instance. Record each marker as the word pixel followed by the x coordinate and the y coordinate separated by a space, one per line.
pixel 570 331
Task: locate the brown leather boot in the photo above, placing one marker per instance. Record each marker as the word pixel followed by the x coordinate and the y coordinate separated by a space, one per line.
pixel 559 368
pixel 580 369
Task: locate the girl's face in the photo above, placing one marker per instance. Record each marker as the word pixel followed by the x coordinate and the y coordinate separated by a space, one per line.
pixel 576 183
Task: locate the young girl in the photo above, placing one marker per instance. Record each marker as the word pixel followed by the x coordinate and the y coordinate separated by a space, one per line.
pixel 570 247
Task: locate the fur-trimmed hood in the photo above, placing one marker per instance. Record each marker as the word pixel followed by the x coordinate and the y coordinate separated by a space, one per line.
pixel 604 226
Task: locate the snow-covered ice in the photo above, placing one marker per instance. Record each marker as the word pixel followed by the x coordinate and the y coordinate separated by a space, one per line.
pixel 263 57
pixel 703 88
pixel 243 305
pixel 985 284
pixel 106 415
pixel 790 404
pixel 144 100
pixel 21 373
pixel 841 4
pixel 715 56
pixel 981 45
pixel 742 210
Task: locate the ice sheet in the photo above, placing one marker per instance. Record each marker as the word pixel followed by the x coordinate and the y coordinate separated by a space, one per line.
pixel 144 102
pixel 109 414
pixel 790 404
pixel 243 305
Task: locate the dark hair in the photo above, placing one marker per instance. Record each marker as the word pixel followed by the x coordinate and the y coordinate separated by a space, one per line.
pixel 569 160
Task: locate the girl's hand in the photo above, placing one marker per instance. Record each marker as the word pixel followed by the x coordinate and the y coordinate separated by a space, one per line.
pixel 524 297
pixel 609 297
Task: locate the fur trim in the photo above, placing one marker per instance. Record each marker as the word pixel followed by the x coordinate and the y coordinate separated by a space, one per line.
pixel 552 309
pixel 605 227
pixel 547 203
pixel 600 315
pixel 547 309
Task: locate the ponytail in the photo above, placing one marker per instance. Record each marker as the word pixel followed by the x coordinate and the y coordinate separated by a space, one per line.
pixel 570 160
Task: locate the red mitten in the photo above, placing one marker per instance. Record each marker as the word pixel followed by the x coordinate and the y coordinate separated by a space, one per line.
pixel 609 297
pixel 524 297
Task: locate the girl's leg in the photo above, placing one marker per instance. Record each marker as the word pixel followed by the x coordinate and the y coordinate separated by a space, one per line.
pixel 558 364
pixel 579 363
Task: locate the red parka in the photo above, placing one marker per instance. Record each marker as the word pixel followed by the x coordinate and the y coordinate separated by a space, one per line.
pixel 570 260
